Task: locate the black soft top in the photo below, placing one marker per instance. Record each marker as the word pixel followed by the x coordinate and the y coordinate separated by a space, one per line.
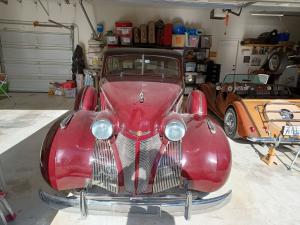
pixel 146 51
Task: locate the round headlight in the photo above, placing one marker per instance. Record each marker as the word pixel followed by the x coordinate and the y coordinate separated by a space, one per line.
pixel 269 88
pixel 175 130
pixel 102 129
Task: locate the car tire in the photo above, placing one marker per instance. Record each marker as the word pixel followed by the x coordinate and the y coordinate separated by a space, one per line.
pixel 230 123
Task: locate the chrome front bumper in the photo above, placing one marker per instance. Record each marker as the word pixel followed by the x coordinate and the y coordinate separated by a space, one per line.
pixel 276 141
pixel 157 205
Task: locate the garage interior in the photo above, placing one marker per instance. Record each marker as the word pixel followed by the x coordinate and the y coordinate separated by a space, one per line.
pixel 38 42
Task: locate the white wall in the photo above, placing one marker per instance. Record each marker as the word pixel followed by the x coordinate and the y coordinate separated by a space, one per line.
pixel 239 27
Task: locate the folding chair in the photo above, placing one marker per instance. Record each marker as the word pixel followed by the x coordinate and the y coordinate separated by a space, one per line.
pixel 3 81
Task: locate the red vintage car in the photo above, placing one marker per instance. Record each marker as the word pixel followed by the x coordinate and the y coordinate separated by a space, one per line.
pixel 134 143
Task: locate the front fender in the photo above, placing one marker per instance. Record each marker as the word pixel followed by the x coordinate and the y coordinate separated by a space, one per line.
pixel 86 99
pixel 66 157
pixel 206 156
pixel 244 121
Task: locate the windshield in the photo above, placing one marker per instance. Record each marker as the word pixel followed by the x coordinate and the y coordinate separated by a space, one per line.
pixel 246 78
pixel 162 66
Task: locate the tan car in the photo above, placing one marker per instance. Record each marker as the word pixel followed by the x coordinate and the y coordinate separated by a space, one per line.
pixel 254 110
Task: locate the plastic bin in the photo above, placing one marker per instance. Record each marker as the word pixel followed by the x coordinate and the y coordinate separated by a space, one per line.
pixel 190 67
pixel 178 40
pixel 70 93
pixel 192 41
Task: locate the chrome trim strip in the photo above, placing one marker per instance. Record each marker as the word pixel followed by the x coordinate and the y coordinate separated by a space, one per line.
pixel 211 126
pixel 64 123
pixel 270 140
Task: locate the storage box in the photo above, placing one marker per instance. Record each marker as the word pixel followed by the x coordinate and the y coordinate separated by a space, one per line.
pixel 178 40
pixel 167 36
pixel 192 41
pixel 151 32
pixel 144 34
pixel 126 40
pixel 112 40
pixel 206 41
pixel 190 66
pixel 124 32
pixel 136 35
pixel 200 79
pixel 124 28
pixel 70 93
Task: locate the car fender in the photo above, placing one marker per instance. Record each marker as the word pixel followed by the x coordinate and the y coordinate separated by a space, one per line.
pixel 66 158
pixel 206 155
pixel 86 99
pixel 244 120
pixel 196 103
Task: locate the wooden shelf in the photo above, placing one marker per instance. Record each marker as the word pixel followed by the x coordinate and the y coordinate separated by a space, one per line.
pixel 283 44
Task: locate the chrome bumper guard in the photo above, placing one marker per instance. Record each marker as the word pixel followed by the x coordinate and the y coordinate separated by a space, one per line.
pixel 276 141
pixel 157 205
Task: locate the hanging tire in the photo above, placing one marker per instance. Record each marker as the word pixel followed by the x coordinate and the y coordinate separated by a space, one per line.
pixel 230 123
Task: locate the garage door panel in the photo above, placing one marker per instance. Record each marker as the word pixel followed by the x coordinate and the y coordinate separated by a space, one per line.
pixel 31 85
pixel 38 38
pixel 22 68
pixel 36 54
pixel 33 59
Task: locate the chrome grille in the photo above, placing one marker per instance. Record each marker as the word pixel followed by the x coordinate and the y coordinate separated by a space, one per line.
pixel 105 173
pixel 169 168
pixel 126 149
pixel 148 151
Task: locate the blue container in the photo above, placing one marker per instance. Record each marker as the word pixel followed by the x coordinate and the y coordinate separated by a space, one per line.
pixel 179 29
pixel 284 36
pixel 100 28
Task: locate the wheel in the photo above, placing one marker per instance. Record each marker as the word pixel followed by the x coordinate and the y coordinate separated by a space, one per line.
pixel 230 123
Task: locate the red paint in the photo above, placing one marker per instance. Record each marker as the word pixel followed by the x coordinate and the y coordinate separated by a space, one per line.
pixel 123 96
pixel 137 165
pixel 118 164
pixel 196 103
pixel 86 99
pixel 71 151
pixel 67 154
pixel 206 157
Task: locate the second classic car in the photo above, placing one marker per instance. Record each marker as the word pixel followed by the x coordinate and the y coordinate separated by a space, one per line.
pixel 255 110
pixel 134 144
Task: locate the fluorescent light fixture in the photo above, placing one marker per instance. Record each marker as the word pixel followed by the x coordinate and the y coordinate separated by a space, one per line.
pixel 267 14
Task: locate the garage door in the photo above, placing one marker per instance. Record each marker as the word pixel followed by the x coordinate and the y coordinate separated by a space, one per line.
pixel 33 59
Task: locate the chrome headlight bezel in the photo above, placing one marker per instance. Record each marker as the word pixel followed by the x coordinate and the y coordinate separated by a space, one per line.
pixel 102 129
pixel 171 126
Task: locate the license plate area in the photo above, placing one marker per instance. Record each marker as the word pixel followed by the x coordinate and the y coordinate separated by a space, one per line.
pixel 291 130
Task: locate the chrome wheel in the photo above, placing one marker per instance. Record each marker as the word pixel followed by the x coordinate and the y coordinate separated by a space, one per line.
pixel 230 123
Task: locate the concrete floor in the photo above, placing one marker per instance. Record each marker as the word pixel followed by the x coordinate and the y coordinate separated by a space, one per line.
pixel 261 194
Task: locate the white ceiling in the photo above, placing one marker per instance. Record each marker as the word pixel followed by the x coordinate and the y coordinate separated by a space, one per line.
pixel 287 5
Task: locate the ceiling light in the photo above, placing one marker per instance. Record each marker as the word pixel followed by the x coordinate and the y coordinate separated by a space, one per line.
pixel 267 14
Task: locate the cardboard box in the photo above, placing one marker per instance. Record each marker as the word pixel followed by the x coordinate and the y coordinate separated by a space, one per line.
pixel 178 40
pixel 144 34
pixel 151 32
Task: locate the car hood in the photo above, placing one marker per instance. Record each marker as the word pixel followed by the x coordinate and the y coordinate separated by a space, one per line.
pixel 140 105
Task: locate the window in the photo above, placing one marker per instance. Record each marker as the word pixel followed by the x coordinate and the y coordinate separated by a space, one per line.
pixel 149 65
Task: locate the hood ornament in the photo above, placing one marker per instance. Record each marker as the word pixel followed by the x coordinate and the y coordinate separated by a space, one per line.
pixel 141 97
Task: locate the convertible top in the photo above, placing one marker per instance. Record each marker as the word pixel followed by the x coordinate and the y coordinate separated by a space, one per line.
pixel 147 51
